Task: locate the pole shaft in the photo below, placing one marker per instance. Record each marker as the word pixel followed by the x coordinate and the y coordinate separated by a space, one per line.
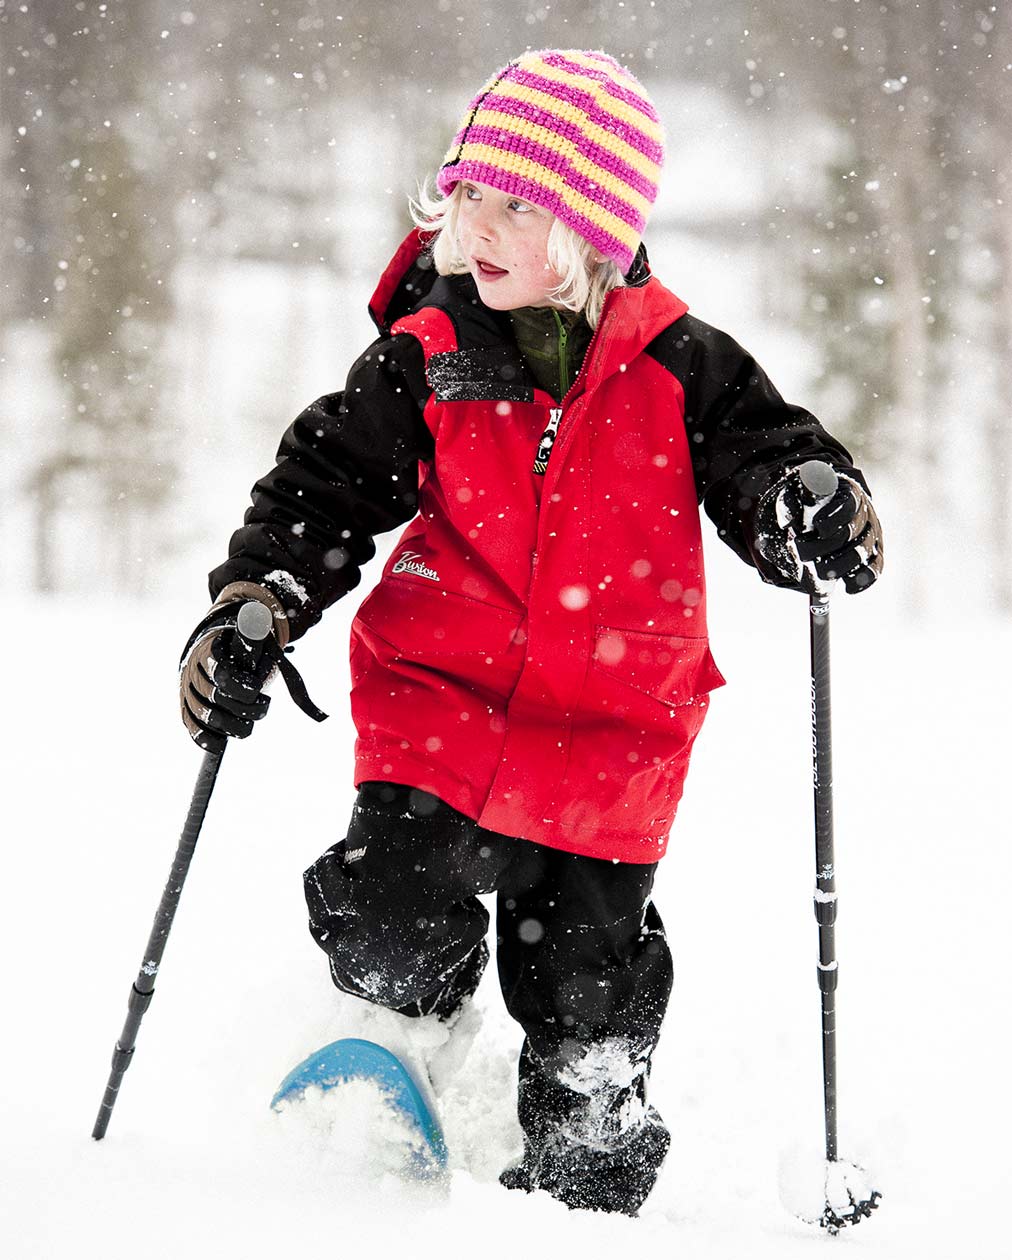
pixel 142 990
pixel 825 884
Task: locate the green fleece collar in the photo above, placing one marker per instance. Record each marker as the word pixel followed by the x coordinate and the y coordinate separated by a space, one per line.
pixel 553 343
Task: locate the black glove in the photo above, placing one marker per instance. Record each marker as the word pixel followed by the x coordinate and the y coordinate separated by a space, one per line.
pixel 805 547
pixel 221 677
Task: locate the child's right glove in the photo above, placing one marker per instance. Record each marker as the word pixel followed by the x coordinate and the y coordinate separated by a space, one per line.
pixel 220 680
pixel 803 548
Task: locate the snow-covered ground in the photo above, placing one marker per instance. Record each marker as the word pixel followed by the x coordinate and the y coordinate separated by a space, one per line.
pixel 98 773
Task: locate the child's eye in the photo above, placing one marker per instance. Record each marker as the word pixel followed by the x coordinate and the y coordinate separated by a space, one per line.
pixel 521 206
pixel 471 193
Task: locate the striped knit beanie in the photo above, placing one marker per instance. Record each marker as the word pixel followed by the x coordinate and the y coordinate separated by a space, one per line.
pixel 572 132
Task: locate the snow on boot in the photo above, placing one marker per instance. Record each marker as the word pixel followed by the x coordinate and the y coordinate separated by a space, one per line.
pixel 445 1062
pixel 432 1045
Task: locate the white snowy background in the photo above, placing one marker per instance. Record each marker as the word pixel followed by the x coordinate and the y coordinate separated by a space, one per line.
pixel 97 775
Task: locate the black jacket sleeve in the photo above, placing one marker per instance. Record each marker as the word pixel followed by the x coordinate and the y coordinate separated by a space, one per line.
pixel 742 435
pixel 346 470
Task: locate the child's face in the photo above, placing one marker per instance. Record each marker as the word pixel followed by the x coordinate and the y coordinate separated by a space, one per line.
pixel 505 243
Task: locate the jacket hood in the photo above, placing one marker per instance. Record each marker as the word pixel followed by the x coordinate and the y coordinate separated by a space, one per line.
pixel 406 279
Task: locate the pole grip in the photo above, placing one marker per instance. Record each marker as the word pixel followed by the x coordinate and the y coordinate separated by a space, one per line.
pixel 254 624
pixel 255 621
pixel 818 481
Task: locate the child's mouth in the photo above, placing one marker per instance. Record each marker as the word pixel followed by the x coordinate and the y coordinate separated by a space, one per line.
pixel 488 272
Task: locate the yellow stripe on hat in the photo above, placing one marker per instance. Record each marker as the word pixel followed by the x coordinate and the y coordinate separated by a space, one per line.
pixel 577 116
pixel 619 109
pixel 560 144
pixel 527 168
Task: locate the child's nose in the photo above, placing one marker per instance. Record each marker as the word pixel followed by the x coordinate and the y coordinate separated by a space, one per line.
pixel 484 225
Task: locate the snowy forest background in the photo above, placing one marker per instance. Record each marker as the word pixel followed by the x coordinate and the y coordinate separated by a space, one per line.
pixel 196 203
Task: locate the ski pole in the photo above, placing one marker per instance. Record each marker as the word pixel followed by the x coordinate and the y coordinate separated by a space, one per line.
pixel 254 625
pixel 820 481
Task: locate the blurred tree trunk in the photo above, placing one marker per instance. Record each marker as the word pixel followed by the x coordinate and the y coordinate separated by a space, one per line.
pixel 914 196
pixel 994 152
pixel 999 427
pixel 103 226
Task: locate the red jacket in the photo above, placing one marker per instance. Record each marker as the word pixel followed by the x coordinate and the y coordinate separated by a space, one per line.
pixel 535 653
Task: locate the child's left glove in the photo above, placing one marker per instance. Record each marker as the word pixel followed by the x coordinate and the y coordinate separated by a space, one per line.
pixel 803 548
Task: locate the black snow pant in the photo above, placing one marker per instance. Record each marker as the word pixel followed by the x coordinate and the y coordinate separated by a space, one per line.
pixel 583 964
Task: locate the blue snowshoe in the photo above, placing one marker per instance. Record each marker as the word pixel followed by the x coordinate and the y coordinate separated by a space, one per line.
pixel 352 1059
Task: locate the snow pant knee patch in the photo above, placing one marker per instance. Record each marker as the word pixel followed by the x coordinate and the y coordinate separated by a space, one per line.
pixel 389 946
pixel 392 904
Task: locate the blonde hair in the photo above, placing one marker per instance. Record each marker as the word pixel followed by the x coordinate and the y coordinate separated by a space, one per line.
pixel 586 279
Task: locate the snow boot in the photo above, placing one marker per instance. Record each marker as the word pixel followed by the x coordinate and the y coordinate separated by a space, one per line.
pixel 616 1180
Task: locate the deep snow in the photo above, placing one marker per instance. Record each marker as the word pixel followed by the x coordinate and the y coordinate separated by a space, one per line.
pixel 98 777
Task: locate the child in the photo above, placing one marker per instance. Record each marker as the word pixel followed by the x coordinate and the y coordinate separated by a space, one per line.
pixel 531 671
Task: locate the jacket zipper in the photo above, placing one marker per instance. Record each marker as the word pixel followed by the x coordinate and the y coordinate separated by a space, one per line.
pixel 547 439
pixel 555 414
